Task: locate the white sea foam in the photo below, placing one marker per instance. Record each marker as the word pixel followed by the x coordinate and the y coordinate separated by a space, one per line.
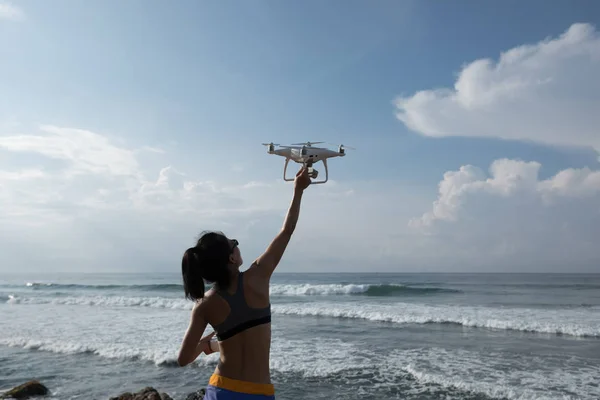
pixel 581 322
pixel 584 322
pixel 417 371
pixel 306 357
pixel 318 290
pixel 129 351
pixel 318 357
pixel 382 290
pixel 36 284
pixel 298 289
pixel 107 301
pixel 491 374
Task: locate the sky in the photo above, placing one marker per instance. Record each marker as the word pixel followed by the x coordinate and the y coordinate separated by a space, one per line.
pixel 127 128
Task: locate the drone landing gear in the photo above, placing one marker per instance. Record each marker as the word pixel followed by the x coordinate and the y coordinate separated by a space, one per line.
pixel 313 173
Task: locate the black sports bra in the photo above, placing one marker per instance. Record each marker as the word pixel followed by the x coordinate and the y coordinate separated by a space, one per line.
pixel 241 316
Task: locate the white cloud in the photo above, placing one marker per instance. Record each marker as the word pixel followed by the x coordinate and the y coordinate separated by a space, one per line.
pixel 21 175
pixel 511 216
pixel 508 178
pixel 10 11
pixel 84 151
pixel 547 92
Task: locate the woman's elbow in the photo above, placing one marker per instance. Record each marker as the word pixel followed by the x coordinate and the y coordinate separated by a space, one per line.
pixel 182 360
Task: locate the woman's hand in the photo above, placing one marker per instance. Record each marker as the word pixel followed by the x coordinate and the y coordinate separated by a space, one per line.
pixel 302 180
pixel 205 343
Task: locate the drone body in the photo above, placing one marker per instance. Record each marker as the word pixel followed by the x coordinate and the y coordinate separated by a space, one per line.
pixel 307 154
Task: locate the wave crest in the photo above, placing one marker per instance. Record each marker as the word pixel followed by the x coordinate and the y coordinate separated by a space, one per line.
pixel 306 289
pixel 584 322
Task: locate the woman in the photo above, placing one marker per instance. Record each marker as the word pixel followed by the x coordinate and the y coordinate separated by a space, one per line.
pixel 237 307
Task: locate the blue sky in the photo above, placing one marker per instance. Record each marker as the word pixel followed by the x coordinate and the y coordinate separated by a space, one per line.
pixel 128 127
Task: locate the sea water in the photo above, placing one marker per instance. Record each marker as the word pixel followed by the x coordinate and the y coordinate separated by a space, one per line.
pixel 335 336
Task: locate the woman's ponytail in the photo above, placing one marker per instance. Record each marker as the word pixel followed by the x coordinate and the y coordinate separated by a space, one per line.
pixel 193 282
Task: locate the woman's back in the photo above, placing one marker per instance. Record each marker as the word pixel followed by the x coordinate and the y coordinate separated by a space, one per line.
pixel 241 317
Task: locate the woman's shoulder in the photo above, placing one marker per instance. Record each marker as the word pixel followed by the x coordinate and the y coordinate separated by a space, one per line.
pixel 204 302
pixel 254 272
pixel 255 278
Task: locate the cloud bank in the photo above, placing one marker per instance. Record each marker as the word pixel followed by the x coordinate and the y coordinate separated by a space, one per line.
pixel 86 201
pixel 510 216
pixel 509 179
pixel 510 219
pixel 547 92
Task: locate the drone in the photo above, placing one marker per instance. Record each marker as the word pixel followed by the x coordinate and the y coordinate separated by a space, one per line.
pixel 307 154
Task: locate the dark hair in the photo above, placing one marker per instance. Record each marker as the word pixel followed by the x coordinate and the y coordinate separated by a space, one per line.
pixel 207 261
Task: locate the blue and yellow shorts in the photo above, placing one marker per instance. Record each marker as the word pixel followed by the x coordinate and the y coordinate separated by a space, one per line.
pixel 222 388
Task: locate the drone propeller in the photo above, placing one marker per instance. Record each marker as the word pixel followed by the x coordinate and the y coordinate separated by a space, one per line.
pixel 270 144
pixel 306 143
pixel 342 146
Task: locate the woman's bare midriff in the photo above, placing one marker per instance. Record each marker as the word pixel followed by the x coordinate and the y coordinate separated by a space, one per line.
pixel 246 355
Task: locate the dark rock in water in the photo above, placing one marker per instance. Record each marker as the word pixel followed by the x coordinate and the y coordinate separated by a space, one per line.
pixel 199 395
pixel 124 396
pixel 25 391
pixel 148 393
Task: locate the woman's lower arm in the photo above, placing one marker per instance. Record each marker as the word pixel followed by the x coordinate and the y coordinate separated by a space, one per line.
pixel 291 219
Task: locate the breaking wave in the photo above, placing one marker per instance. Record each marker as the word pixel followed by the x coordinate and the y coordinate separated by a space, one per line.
pixel 356 289
pixel 276 289
pixel 73 286
pixel 584 322
pixel 581 323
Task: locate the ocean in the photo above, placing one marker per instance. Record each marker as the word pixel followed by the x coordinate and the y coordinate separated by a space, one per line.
pixel 335 336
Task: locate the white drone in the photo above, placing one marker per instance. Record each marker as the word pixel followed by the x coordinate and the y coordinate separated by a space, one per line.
pixel 307 154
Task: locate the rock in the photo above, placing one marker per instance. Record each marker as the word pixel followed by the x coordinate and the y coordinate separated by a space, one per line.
pixel 26 390
pixel 147 393
pixel 123 396
pixel 199 395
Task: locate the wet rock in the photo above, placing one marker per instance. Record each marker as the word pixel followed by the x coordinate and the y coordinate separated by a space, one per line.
pixel 147 393
pixel 199 395
pixel 123 396
pixel 26 390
